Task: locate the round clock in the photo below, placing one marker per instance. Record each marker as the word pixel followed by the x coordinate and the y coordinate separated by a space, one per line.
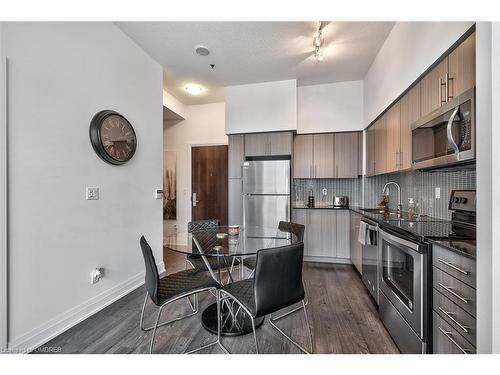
pixel 113 137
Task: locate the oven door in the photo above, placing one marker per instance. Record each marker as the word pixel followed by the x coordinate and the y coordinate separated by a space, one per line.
pixel 445 136
pixel 402 277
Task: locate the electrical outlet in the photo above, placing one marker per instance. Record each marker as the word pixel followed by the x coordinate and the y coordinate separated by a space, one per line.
pixel 92 193
pixel 438 193
pixel 324 191
pixel 158 193
pixel 96 275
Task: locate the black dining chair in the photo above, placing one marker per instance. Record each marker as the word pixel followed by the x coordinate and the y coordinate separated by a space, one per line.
pixel 296 230
pixel 277 284
pixel 196 261
pixel 170 288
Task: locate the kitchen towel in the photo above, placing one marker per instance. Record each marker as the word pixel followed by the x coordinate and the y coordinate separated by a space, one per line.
pixel 362 232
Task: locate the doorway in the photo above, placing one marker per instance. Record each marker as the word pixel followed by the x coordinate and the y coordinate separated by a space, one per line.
pixel 209 183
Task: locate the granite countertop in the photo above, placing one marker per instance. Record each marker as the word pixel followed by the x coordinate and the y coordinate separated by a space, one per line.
pixel 462 247
pixel 325 207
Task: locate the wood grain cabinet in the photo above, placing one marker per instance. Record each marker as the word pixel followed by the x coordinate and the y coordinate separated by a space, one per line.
pixel 324 155
pixel 410 112
pixel 356 252
pixel 235 201
pixel 236 155
pixel 370 151
pixel 303 156
pixel 347 155
pixel 268 144
pixel 455 74
pixel 392 130
pixel 343 234
pixel 380 145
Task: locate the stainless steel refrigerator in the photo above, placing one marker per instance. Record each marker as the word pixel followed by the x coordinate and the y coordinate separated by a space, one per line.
pixel 266 196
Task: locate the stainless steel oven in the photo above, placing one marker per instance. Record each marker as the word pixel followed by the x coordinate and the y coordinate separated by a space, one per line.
pixel 446 136
pixel 403 301
pixel 368 237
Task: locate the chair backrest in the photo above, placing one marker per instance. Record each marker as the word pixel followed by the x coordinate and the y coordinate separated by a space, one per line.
pixel 278 278
pixel 152 278
pixel 296 229
pixel 194 226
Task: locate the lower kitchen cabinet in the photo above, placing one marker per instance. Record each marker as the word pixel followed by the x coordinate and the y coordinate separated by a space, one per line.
pixel 356 249
pixel 326 236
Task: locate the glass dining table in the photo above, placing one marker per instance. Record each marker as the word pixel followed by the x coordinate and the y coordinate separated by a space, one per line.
pixel 227 243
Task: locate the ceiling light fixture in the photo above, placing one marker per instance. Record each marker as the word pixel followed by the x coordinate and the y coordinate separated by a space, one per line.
pixel 201 50
pixel 193 89
pixel 317 42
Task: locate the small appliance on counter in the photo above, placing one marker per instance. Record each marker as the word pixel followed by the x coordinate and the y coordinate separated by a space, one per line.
pixel 310 200
pixel 341 201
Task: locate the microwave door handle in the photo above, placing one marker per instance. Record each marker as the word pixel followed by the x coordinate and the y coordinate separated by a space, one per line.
pixel 449 133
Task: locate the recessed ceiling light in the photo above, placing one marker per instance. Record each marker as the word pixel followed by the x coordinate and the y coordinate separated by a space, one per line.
pixel 193 89
pixel 202 50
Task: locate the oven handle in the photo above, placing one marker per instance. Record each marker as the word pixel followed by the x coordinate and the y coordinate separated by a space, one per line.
pixel 449 133
pixel 401 241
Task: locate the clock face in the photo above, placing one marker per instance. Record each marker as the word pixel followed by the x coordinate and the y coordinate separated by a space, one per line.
pixel 118 138
pixel 112 137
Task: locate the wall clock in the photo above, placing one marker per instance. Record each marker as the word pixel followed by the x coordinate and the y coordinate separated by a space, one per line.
pixel 113 137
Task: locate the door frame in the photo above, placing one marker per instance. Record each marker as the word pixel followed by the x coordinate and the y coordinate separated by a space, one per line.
pixel 190 146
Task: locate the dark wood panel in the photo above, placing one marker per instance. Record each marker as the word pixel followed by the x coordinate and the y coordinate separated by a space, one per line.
pixel 209 182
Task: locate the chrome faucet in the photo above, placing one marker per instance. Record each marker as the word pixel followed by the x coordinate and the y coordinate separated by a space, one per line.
pixel 385 189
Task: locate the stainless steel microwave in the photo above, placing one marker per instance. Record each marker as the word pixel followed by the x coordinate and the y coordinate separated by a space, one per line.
pixel 446 136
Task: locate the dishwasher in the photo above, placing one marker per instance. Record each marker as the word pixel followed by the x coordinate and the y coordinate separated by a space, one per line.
pixel 368 237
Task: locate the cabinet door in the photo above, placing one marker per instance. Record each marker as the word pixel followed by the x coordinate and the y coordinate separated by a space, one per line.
pixel 343 234
pixel 324 155
pixel 321 240
pixel 432 88
pixel 393 137
pixel 356 251
pixel 236 155
pixel 370 151
pixel 280 143
pixel 346 155
pixel 301 216
pixel 379 129
pixel 462 67
pixel 256 144
pixel 235 201
pixel 410 112
pixel 303 156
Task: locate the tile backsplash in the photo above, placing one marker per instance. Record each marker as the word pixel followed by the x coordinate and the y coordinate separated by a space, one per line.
pixel 421 186
pixel 350 187
pixel 367 191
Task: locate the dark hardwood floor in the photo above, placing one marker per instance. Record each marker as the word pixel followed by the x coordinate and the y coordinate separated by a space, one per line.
pixel 343 319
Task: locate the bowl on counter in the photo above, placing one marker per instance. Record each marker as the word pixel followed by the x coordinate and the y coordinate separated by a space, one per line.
pixel 233 230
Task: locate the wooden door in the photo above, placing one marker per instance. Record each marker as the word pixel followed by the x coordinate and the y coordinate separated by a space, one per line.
pixel 236 155
pixel 324 156
pixel 432 88
pixel 410 112
pixel 462 67
pixel 209 183
pixel 346 155
pixel 303 156
pixel 380 141
pixel 393 137
pixel 256 144
pixel 280 143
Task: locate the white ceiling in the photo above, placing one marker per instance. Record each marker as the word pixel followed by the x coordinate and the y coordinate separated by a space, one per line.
pixel 251 52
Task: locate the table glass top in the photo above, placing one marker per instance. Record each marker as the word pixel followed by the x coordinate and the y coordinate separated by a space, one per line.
pixel 220 241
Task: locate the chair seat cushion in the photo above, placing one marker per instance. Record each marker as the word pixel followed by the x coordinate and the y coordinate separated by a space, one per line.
pixel 243 292
pixel 250 263
pixel 182 282
pixel 199 264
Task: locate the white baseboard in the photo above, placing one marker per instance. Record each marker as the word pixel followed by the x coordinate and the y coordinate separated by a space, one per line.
pixel 54 327
pixel 327 260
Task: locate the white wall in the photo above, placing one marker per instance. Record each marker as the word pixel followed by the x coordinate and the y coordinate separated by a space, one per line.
pixel 204 125
pixel 60 75
pixel 333 107
pixel 261 107
pixel 173 104
pixel 408 51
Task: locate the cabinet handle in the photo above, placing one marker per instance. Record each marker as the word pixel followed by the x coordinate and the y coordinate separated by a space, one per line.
pixel 448 79
pixel 454 267
pixel 448 289
pixel 448 336
pixel 448 314
pixel 441 84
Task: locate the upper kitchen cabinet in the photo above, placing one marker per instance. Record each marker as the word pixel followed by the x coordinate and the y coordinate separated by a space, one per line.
pixel 303 161
pixel 236 155
pixel 410 112
pixel 324 156
pixel 455 74
pixel 393 120
pixel 380 145
pixel 462 67
pixel 347 155
pixel 261 107
pixel 370 151
pixel 268 144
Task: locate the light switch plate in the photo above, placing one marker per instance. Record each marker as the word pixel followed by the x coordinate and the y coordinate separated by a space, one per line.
pixel 158 193
pixel 324 191
pixel 92 193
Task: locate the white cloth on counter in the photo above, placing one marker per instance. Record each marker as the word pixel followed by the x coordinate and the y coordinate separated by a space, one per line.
pixel 363 230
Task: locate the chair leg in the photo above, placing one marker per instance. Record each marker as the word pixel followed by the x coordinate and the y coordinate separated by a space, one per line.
pixel 304 304
pixel 154 330
pixel 255 336
pixel 273 321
